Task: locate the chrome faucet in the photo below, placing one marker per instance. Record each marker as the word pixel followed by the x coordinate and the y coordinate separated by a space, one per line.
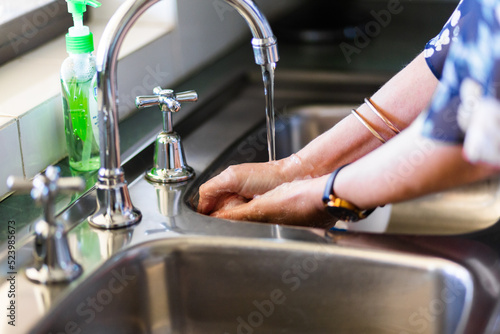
pixel 53 260
pixel 114 206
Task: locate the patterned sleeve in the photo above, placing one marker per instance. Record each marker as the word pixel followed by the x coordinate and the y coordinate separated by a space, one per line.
pixel 436 49
pixel 465 108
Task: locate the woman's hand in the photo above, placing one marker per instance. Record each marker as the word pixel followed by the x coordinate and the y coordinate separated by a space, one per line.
pixel 243 182
pixel 294 203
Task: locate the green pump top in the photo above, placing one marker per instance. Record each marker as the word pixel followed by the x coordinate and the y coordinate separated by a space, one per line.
pixel 79 39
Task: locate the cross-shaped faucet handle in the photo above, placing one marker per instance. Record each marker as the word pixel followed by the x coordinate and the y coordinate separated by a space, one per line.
pixel 166 99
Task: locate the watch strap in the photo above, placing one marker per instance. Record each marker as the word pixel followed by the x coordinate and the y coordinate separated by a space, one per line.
pixel 329 185
pixel 332 202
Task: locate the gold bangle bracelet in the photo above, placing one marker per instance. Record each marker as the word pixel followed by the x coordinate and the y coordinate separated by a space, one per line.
pixel 377 112
pixel 368 126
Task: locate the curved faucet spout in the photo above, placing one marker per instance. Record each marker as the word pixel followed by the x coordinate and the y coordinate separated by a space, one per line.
pixel 264 42
pixel 115 209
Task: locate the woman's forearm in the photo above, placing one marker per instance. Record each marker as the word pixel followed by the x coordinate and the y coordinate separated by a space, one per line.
pixel 402 98
pixel 346 142
pixel 406 167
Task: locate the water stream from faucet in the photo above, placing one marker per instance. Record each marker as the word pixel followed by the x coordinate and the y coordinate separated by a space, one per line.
pixel 268 78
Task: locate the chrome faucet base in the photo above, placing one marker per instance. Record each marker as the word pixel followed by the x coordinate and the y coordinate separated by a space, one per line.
pixel 169 160
pixel 110 221
pixel 170 164
pixel 58 268
pixel 170 175
pixel 114 206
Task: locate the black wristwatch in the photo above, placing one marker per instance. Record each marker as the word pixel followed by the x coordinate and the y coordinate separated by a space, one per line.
pixel 340 208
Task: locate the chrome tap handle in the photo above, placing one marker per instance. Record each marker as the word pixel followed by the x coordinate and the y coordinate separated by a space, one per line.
pixel 166 102
pixel 147 101
pixel 69 185
pixel 53 261
pixel 66 185
pixel 187 96
pixel 169 161
pixel 44 187
pixel 166 99
pixel 19 184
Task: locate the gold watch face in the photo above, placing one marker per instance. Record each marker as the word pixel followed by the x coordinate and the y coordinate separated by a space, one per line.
pixel 336 202
pixel 343 213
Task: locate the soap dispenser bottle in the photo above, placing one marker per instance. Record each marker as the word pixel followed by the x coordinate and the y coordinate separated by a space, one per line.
pixel 79 92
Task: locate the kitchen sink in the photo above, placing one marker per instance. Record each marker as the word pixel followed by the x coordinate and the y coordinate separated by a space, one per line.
pixel 240 285
pixel 461 210
pixel 178 271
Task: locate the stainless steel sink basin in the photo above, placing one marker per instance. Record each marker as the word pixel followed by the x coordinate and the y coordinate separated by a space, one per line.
pixel 462 210
pixel 236 285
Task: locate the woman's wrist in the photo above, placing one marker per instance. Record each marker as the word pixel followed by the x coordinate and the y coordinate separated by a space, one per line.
pixel 319 189
pixel 343 188
pixel 294 168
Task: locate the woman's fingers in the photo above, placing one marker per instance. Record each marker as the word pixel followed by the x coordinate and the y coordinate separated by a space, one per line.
pixel 295 203
pixel 220 186
pixel 249 180
pixel 245 180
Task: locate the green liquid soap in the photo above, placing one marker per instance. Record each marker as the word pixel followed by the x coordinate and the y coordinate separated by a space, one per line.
pixel 79 92
pixel 81 123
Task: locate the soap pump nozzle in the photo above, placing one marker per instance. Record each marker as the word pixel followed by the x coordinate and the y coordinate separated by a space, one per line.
pixel 79 38
pixel 78 7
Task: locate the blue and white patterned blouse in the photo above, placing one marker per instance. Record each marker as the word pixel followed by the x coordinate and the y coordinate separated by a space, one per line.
pixel 465 57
